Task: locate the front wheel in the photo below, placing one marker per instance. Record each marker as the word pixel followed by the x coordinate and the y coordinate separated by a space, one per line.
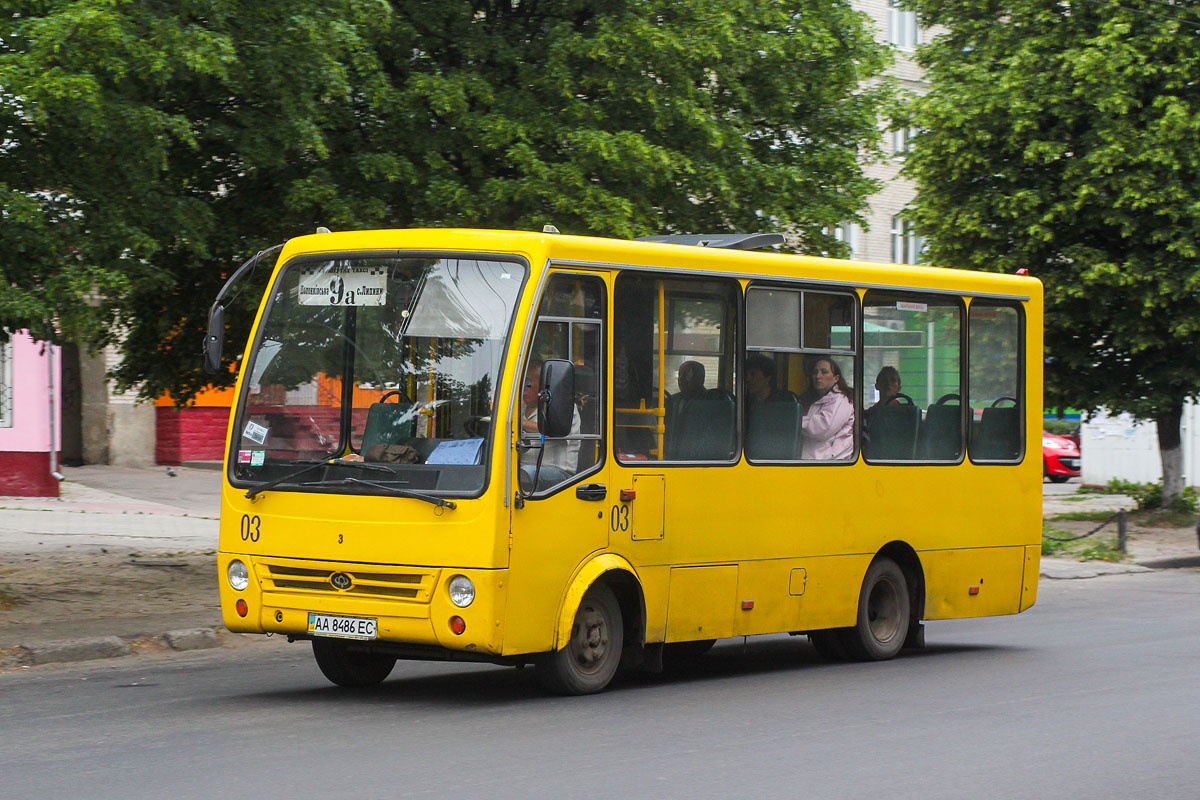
pixel 346 667
pixel 593 653
pixel 883 614
pixel 1059 478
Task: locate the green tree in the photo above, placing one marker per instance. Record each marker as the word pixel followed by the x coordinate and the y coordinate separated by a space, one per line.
pixel 149 146
pixel 1062 137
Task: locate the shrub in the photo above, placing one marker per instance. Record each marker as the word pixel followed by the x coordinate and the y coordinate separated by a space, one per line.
pixel 1148 496
pixel 1061 427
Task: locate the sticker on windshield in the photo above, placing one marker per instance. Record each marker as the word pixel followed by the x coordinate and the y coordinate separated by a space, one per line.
pixel 339 285
pixel 255 432
pixel 243 456
pixel 257 458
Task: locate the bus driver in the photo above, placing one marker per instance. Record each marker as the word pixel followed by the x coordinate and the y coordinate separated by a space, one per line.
pixel 560 454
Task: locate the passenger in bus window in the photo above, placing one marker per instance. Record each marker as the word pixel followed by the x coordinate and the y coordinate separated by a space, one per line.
pixel 760 381
pixel 887 383
pixel 691 387
pixel 827 430
pixel 691 380
pixel 559 454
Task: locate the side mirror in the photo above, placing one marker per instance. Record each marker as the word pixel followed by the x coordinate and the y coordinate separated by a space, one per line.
pixel 214 340
pixel 556 402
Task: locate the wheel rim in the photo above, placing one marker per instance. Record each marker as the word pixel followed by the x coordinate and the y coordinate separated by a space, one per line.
pixel 590 639
pixel 883 611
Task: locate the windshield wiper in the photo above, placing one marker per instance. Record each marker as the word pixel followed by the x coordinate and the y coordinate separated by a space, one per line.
pixel 428 498
pixel 309 467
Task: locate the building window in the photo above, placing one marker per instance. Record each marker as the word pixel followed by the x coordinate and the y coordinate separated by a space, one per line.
pixel 903 30
pixel 6 401
pixel 907 247
pixel 846 232
pixel 902 141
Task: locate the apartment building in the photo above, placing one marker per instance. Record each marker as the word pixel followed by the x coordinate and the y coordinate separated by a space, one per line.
pixel 886 237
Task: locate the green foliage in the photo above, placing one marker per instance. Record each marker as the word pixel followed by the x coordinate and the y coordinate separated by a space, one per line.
pixel 1099 550
pixel 1061 137
pixel 1061 427
pixel 1149 496
pixel 1050 544
pixel 1082 516
pixel 150 147
pixel 1089 549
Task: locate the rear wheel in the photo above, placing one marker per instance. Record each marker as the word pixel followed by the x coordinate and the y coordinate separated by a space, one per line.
pixel 346 667
pixel 883 614
pixel 593 652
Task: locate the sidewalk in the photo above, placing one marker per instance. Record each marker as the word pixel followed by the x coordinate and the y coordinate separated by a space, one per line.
pixel 125 561
pixel 1148 549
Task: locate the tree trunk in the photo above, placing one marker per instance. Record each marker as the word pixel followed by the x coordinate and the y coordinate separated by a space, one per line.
pixel 1170 448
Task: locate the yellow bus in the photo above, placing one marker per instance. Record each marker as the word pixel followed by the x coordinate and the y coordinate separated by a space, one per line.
pixel 581 453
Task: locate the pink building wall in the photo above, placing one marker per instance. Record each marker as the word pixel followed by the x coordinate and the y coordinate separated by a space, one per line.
pixel 25 442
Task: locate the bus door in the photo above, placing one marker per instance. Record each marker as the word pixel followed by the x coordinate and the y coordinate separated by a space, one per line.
pixel 675 444
pixel 562 508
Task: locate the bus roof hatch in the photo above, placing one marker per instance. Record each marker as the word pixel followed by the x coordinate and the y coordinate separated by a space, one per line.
pixel 729 241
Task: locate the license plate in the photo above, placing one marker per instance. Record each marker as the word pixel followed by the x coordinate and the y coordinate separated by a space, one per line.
pixel 341 627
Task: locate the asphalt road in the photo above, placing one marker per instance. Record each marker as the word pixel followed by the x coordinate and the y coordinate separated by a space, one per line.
pixel 1093 693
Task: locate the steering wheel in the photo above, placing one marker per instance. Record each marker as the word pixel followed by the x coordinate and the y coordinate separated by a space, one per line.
pixel 476 426
pixel 947 398
pixel 999 400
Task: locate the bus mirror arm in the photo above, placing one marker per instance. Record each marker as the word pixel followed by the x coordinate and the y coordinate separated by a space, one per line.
pixel 537 471
pixel 214 338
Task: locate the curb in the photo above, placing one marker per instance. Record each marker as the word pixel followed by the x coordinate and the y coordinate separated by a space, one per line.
pixel 93 648
pixel 1069 569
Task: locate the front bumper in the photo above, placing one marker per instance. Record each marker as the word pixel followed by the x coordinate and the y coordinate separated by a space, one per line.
pixel 411 604
pixel 1063 464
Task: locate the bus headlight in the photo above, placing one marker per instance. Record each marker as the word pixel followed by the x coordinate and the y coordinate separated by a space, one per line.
pixel 239 576
pixel 462 591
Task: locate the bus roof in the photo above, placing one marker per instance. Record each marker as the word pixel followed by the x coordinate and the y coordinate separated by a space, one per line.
pixel 595 251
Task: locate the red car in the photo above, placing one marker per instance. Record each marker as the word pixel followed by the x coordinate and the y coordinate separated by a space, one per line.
pixel 1060 458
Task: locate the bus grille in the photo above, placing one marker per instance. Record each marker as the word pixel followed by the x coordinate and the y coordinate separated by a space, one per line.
pixel 374 580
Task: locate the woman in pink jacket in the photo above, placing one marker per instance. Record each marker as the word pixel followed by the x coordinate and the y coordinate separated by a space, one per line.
pixel 827 431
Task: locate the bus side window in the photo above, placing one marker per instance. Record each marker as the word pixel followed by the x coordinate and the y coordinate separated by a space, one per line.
pixel 674 367
pixel 995 357
pixel 800 366
pixel 570 326
pixel 912 377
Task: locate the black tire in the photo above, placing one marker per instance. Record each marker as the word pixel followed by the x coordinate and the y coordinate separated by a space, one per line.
pixel 1059 478
pixel 883 614
pixel 678 655
pixel 593 652
pixel 828 644
pixel 346 667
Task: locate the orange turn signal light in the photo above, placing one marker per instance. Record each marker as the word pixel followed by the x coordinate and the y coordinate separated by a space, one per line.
pixel 242 608
pixel 458 625
pixel 628 495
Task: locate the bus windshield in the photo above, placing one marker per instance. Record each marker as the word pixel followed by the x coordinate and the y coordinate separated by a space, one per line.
pixel 388 365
